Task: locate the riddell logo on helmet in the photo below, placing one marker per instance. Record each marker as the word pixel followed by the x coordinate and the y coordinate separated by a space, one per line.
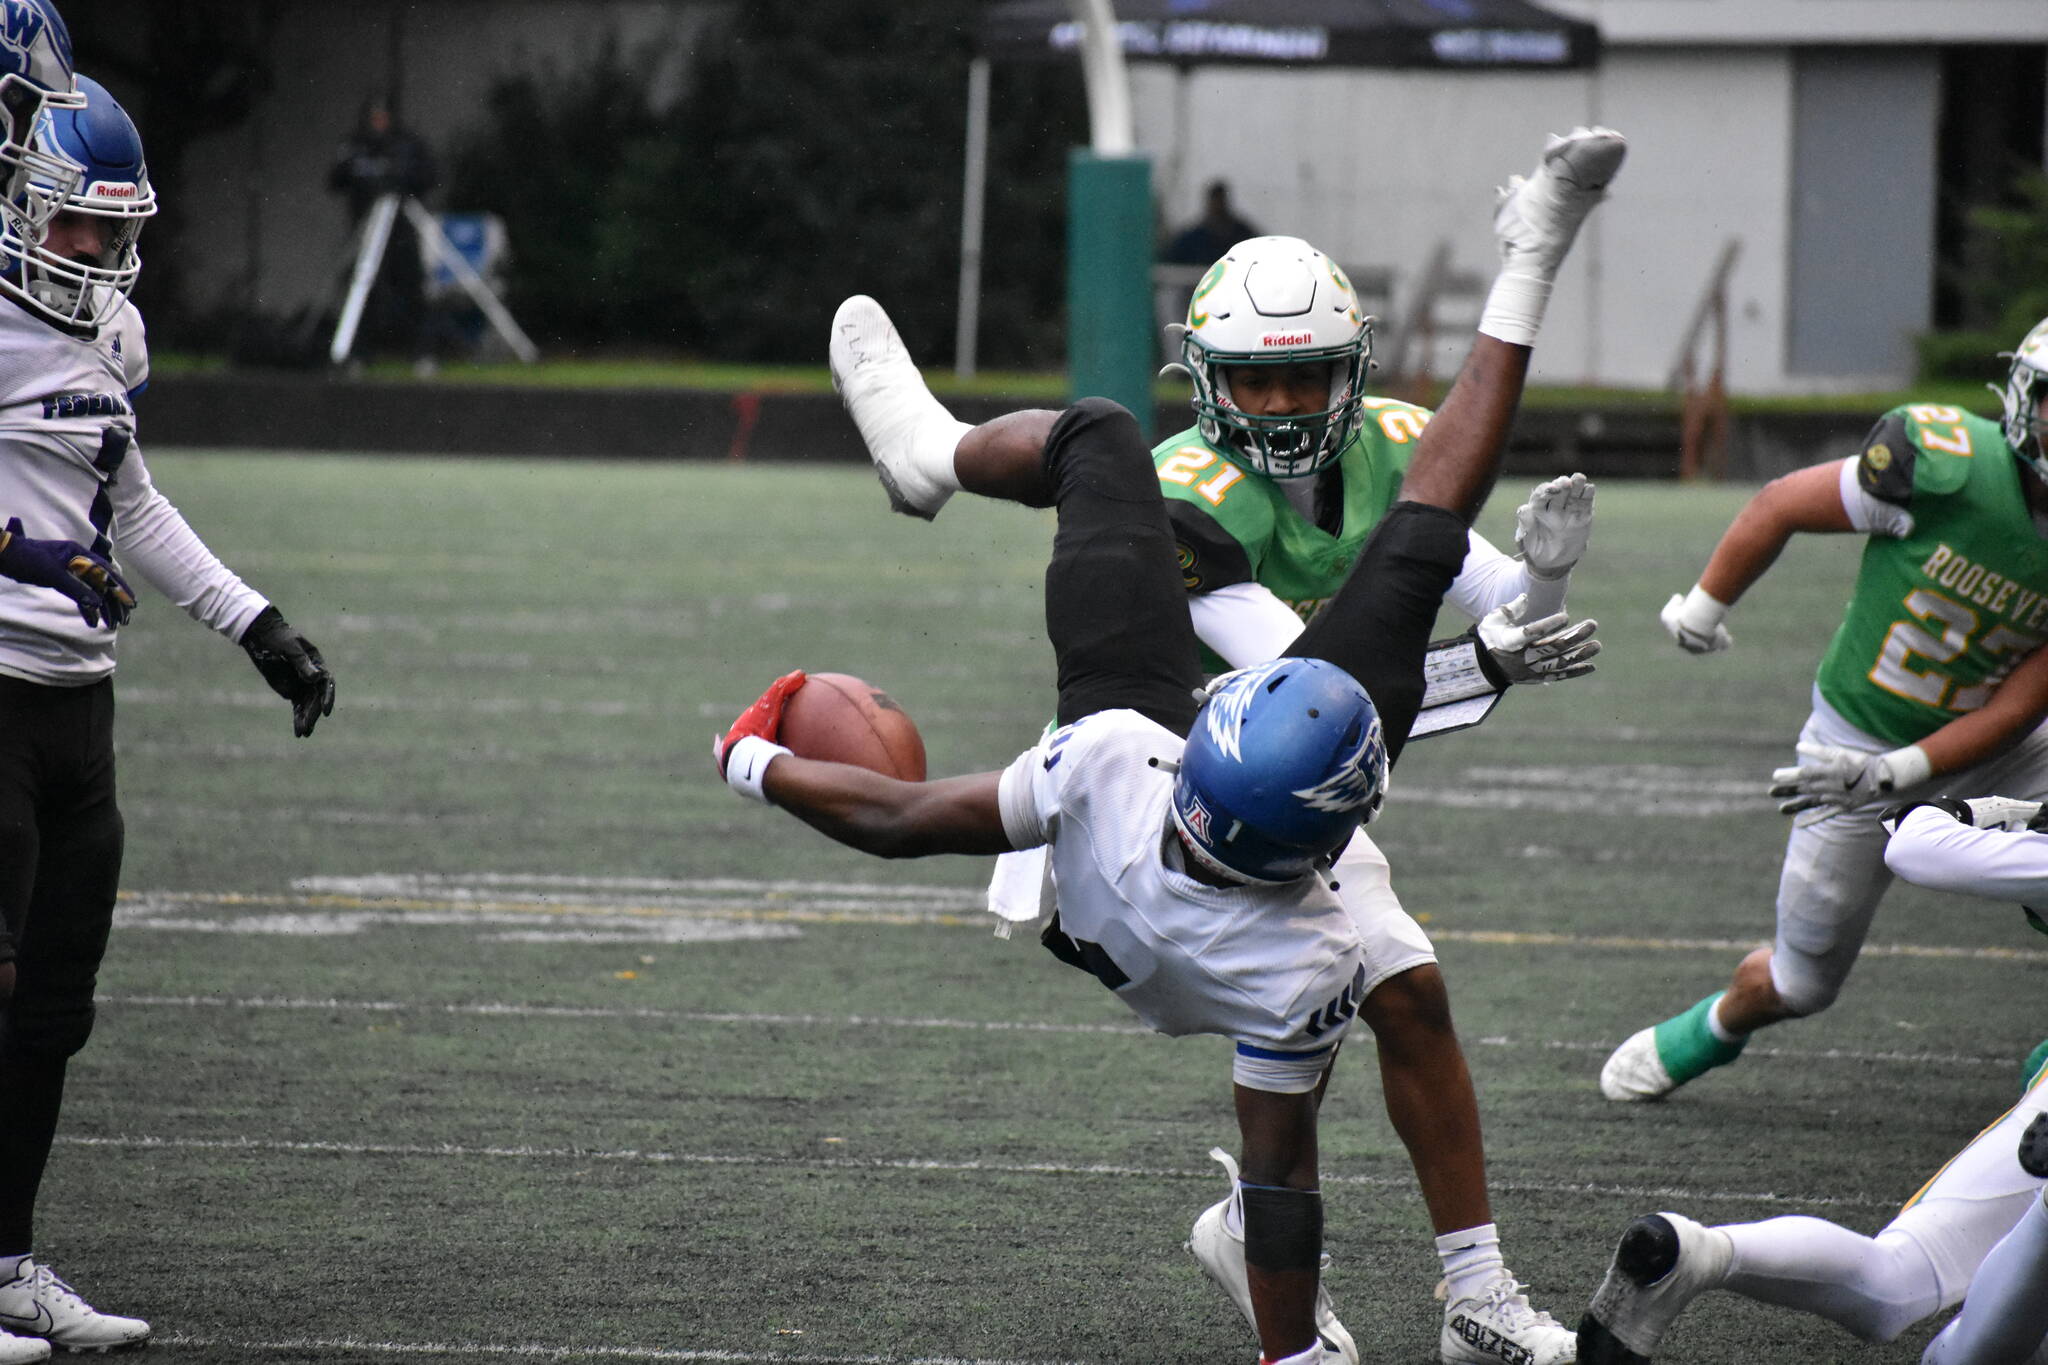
pixel 1286 339
pixel 115 190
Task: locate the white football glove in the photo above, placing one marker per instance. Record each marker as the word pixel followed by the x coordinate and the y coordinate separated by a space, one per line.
pixel 1695 621
pixel 2006 813
pixel 1542 651
pixel 1843 779
pixel 2002 812
pixel 1553 526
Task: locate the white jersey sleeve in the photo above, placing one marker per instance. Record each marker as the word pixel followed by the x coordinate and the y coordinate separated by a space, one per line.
pixel 154 536
pixel 1872 516
pixel 1934 849
pixel 1245 623
pixel 1029 802
pixel 1488 579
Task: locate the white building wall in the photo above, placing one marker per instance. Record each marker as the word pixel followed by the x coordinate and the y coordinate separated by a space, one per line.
pixel 1389 163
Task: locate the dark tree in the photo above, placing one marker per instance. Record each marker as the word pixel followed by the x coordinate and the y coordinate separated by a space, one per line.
pixel 816 153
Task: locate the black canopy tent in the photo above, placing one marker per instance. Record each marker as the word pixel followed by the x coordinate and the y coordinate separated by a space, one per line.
pixel 1463 35
pixel 1445 35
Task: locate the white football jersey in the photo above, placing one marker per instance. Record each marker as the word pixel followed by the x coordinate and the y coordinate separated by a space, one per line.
pixel 1279 969
pixel 71 470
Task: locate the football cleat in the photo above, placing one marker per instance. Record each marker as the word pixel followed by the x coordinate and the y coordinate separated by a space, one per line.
pixel 1662 1263
pixel 35 1303
pixel 1220 1253
pixel 1634 1071
pixel 1657 1060
pixel 2034 1148
pixel 909 436
pixel 1539 215
pixel 16 1350
pixel 1498 1327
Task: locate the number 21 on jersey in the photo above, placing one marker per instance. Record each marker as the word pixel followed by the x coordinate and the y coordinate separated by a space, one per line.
pixel 1190 463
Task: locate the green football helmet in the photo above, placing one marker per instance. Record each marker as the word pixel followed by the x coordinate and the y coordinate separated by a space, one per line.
pixel 1276 301
pixel 2022 398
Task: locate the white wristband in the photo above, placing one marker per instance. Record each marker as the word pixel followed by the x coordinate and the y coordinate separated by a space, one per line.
pixel 1908 767
pixel 1701 612
pixel 1514 308
pixel 746 763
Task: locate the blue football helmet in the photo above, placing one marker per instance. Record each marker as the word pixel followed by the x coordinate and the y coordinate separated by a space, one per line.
pixel 1285 760
pixel 35 76
pixel 107 183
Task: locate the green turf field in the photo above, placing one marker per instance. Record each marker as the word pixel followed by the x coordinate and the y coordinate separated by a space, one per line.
pixel 487 1024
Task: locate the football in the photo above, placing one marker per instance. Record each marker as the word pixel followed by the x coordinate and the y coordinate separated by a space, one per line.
pixel 841 719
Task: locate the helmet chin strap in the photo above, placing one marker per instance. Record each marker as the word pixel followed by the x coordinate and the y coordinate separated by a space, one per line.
pixel 1207 868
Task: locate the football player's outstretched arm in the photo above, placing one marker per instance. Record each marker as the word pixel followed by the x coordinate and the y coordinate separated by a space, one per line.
pixel 1459 452
pixel 859 808
pixel 885 817
pixel 1809 499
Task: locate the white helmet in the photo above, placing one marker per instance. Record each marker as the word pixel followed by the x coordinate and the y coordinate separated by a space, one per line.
pixel 1277 301
pixel 2022 398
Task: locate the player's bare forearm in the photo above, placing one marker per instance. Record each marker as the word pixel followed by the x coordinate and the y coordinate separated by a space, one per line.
pixel 885 817
pixel 1459 451
pixel 1809 499
pixel 2016 707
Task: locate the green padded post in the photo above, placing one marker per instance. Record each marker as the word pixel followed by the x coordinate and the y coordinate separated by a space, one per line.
pixel 1111 351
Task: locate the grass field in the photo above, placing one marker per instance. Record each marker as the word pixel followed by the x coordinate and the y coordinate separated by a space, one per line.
pixel 486 1024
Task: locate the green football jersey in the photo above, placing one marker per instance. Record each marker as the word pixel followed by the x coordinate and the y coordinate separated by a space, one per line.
pixel 1938 618
pixel 1235 526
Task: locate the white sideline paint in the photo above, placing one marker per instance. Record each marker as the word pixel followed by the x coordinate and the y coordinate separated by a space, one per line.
pixel 867 1021
pixel 533 1351
pixel 843 1021
pixel 1665 1195
pixel 648 906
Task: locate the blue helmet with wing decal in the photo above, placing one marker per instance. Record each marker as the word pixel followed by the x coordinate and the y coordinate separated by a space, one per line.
pixel 35 76
pixel 1284 761
pixel 77 275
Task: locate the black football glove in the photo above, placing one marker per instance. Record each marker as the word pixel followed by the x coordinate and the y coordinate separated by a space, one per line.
pixel 293 668
pixel 67 567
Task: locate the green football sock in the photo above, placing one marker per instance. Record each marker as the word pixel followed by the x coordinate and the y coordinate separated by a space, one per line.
pixel 2036 1063
pixel 1688 1048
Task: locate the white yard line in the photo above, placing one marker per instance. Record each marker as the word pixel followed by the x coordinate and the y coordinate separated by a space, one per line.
pixel 1059 1170
pixel 431 898
pixel 841 1022
pixel 533 1351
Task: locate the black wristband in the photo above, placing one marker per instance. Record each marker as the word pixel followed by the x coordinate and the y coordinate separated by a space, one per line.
pixel 1948 805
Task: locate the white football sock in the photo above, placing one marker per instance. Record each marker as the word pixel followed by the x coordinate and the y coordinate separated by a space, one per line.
pixel 1471 1260
pixel 1874 1286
